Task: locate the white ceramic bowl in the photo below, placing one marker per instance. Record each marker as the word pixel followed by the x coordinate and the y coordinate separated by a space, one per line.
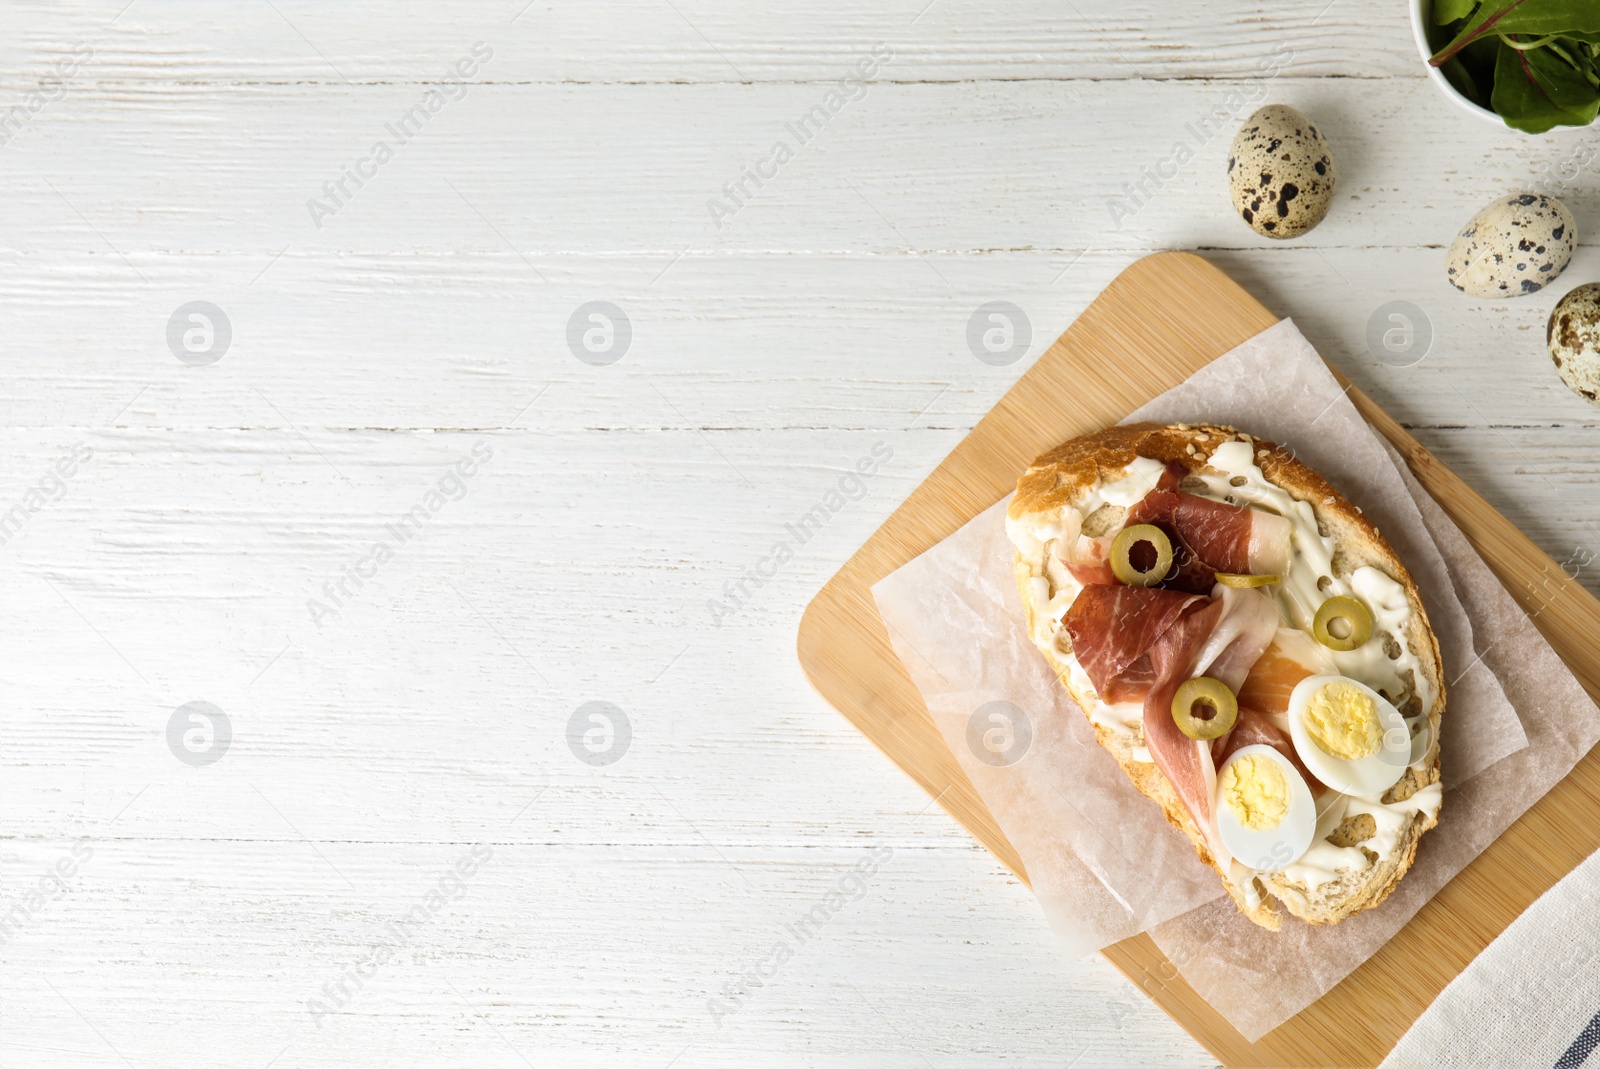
pixel 1419 29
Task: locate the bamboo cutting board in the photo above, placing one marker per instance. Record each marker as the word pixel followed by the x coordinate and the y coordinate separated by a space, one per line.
pixel 1158 322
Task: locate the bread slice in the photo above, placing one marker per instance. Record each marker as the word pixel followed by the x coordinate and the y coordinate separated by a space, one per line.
pixel 1065 476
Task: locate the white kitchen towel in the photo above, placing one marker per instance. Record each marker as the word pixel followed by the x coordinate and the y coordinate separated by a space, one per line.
pixel 1532 998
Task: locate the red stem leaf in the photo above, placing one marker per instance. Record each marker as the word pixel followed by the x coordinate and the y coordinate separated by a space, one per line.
pixel 1488 24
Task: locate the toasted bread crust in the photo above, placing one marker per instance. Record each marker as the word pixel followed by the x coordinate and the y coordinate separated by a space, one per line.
pixel 1067 473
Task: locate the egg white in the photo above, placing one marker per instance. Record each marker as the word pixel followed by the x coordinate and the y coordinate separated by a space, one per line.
pixel 1365 777
pixel 1274 848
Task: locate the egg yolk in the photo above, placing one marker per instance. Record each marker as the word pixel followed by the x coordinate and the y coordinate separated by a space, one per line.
pixel 1343 720
pixel 1255 791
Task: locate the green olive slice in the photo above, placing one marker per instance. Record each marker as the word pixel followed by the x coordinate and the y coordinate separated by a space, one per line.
pixel 1204 708
pixel 1143 543
pixel 1234 579
pixel 1342 623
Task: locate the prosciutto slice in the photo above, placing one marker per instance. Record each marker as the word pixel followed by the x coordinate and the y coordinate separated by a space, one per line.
pixel 1222 537
pixel 1089 563
pixel 1255 728
pixel 1184 761
pixel 1247 628
pixel 1141 643
pixel 1114 626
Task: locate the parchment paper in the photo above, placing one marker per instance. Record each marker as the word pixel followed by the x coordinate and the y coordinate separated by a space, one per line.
pixel 1103 862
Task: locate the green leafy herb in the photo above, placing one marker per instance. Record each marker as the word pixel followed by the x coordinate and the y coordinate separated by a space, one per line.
pixel 1541 90
pixel 1535 62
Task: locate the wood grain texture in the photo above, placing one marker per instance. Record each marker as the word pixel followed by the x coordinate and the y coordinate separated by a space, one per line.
pixel 875 180
pixel 700 41
pixel 1161 320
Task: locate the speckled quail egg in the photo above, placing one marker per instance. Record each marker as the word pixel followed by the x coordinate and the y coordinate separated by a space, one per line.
pixel 1280 173
pixel 1516 245
pixel 1574 337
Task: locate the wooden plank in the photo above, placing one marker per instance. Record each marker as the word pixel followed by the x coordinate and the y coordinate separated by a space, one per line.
pixel 1059 166
pixel 165 42
pixel 1159 321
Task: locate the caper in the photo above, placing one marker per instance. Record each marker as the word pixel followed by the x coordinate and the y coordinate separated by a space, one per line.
pixel 1204 708
pixel 1342 623
pixel 1142 544
pixel 1234 579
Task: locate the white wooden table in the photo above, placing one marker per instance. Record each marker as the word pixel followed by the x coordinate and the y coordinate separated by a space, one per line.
pixel 167 911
